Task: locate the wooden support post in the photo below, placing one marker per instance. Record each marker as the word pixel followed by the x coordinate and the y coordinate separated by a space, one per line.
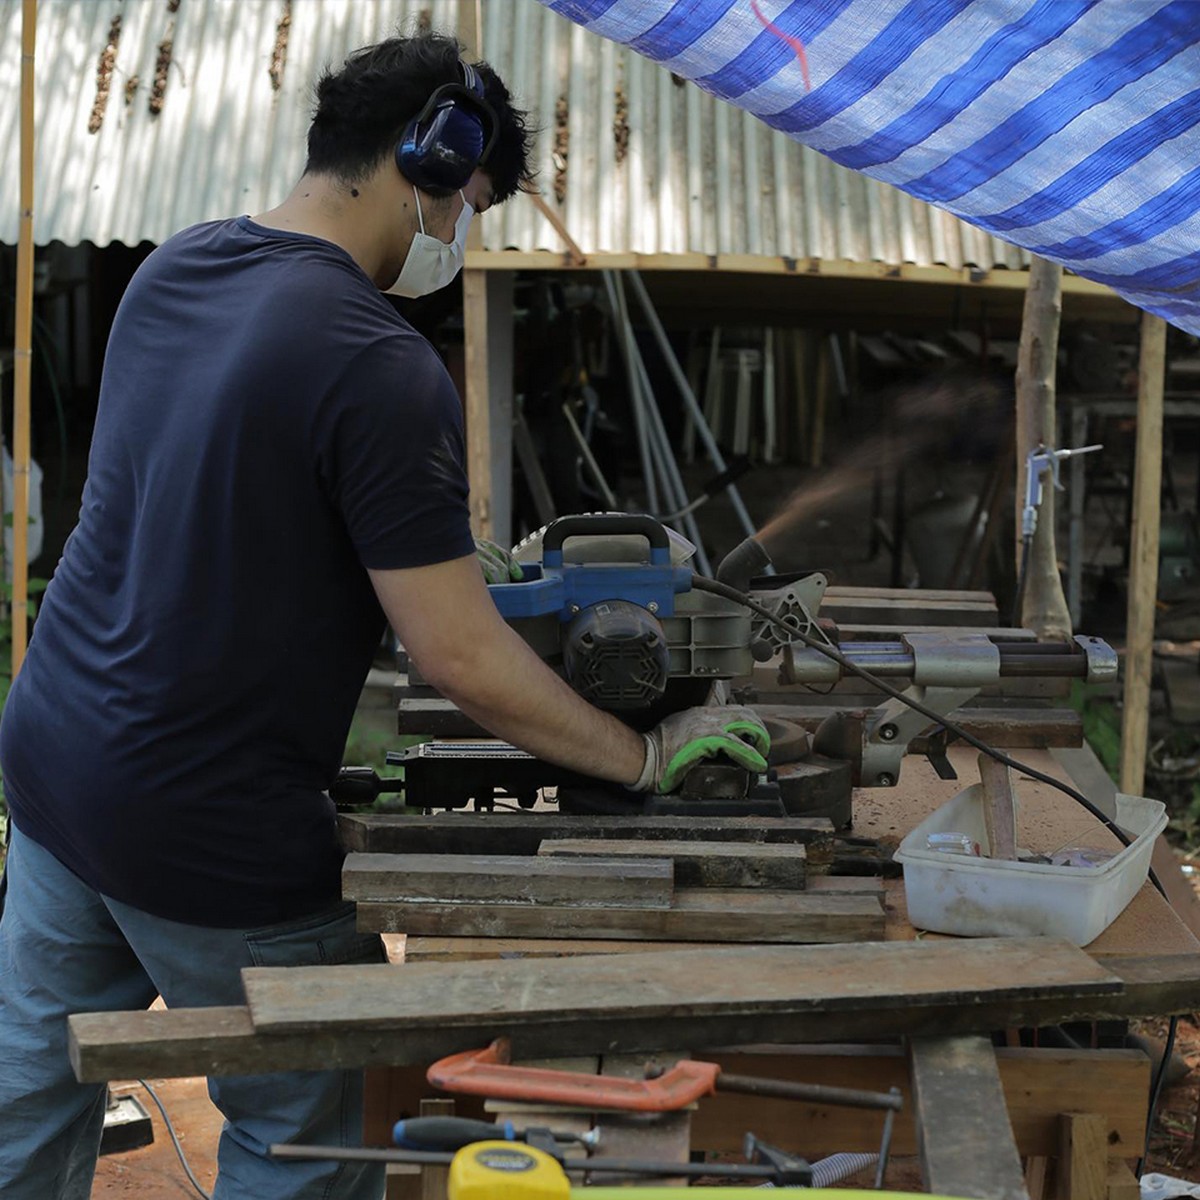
pixel 1122 1182
pixel 433 1179
pixel 1035 1176
pixel 488 363
pixel 1083 1158
pixel 1143 555
pixel 488 360
pixel 23 349
pixel 964 1137
pixel 1044 608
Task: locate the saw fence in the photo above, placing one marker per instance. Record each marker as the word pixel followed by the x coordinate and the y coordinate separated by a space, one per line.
pixel 777 947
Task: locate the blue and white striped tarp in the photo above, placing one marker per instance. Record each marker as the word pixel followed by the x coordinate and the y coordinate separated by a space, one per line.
pixel 1069 127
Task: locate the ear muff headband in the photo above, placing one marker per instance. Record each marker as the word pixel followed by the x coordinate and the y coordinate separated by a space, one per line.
pixel 450 137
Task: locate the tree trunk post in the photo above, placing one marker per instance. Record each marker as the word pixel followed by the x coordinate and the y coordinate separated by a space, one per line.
pixel 1044 606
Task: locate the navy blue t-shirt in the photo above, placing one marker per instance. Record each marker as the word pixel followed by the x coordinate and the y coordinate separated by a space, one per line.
pixel 268 428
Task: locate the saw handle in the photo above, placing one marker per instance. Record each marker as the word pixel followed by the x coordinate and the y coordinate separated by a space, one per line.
pixel 448 1133
pixel 489 1073
pixel 558 531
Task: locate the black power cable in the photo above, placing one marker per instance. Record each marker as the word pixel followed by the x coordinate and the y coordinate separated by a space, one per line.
pixel 703 584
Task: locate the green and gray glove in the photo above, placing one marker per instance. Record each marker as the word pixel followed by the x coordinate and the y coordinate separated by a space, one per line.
pixel 683 739
pixel 498 564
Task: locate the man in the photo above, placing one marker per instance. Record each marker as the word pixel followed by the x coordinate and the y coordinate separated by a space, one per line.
pixel 276 466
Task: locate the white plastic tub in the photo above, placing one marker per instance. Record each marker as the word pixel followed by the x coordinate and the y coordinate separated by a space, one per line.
pixel 983 897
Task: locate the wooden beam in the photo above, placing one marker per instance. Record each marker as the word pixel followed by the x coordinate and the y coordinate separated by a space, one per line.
pixel 523 833
pixel 1122 1182
pixel 23 348
pixel 694 987
pixel 700 864
pixel 223 1041
pixel 1142 592
pixel 483 880
pixel 1083 1157
pixel 964 1136
pixel 695 915
pixel 756 264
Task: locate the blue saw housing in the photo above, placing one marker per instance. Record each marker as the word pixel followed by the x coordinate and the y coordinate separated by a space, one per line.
pixel 566 588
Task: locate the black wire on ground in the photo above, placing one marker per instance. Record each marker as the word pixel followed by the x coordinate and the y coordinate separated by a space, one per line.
pixel 1155 1093
pixel 183 1162
pixel 703 584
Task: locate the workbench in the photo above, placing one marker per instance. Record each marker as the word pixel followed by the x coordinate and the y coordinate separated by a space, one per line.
pixel 1084 1107
pixel 972 1112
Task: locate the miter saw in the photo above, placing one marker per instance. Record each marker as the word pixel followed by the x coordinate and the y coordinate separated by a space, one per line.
pixel 611 602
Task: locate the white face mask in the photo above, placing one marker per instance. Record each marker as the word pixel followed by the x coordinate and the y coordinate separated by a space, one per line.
pixel 431 263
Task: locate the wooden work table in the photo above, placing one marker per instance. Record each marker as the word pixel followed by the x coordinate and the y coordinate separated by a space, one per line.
pixel 1048 820
pixel 939 997
pixel 1103 1093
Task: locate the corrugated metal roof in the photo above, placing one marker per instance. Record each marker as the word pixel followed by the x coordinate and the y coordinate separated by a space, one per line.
pixel 636 160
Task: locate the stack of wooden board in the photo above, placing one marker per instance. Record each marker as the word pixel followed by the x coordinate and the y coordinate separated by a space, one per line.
pixel 610 888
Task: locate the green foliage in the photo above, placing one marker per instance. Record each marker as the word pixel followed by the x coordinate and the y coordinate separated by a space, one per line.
pixel 1186 823
pixel 367 746
pixel 1101 726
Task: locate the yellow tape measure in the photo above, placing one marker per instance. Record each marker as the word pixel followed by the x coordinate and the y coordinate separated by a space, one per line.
pixel 508 1171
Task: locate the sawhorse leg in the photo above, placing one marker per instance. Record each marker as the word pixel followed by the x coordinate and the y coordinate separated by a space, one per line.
pixel 964 1137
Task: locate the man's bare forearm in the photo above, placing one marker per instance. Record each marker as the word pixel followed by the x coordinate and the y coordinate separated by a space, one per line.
pixel 508 690
pixel 449 625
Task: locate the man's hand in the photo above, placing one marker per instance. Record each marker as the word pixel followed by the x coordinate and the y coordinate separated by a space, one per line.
pixel 683 739
pixel 498 564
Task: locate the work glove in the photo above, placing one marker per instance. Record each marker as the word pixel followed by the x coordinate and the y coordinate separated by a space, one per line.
pixel 498 564
pixel 686 738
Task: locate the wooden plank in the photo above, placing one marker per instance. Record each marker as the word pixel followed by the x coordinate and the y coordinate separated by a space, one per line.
pixel 1122 1182
pixel 509 879
pixel 691 985
pixel 846 591
pixel 434 1178
pixel 666 1138
pixel 696 915
pixel 699 864
pixel 888 633
pixel 864 610
pixel 223 1041
pixel 999 813
pixel 964 1137
pixel 523 833
pixel 1083 1157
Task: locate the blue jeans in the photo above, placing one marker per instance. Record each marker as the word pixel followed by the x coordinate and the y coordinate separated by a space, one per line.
pixel 65 948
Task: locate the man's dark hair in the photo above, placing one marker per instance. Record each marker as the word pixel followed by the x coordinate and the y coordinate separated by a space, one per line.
pixel 363 108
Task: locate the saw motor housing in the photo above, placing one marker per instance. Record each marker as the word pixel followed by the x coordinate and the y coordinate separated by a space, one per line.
pixel 616 614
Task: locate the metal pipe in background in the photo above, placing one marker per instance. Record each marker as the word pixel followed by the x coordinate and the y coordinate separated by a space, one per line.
pixel 658 433
pixel 643 398
pixel 589 459
pixel 638 416
pixel 689 398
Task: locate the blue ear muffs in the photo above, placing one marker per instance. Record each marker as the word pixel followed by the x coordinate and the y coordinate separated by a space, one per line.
pixel 449 138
